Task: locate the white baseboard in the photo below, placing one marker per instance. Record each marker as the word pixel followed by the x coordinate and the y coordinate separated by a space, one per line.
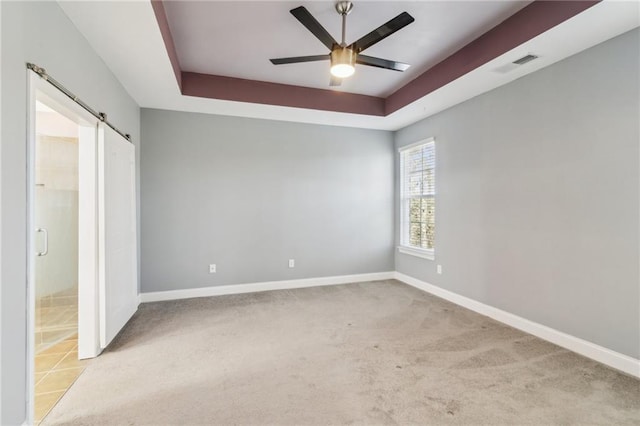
pixel 598 353
pixel 158 296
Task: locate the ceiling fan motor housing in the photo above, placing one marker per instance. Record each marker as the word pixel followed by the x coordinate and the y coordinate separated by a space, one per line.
pixel 344 7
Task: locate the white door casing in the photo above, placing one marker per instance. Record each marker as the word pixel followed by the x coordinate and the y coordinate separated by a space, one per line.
pixel 88 261
pixel 118 273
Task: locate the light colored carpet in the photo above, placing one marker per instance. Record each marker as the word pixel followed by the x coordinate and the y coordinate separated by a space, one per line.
pixel 370 353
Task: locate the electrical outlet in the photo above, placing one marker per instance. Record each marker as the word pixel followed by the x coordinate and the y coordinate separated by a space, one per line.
pixel 439 269
pixel 292 263
pixel 212 268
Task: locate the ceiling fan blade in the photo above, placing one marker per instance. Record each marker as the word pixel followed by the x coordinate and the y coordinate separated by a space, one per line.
pixel 381 63
pixel 306 19
pixel 297 59
pixel 335 81
pixel 382 32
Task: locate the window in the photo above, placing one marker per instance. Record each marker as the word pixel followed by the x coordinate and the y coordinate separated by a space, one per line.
pixel 417 198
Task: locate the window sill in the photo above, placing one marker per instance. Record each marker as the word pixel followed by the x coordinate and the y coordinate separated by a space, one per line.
pixel 425 254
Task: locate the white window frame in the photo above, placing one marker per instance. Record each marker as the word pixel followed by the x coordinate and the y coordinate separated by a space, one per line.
pixel 404 246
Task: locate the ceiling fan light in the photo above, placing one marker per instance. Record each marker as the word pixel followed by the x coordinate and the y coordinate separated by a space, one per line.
pixel 342 62
pixel 342 70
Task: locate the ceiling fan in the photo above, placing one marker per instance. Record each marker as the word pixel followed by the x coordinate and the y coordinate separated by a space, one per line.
pixel 343 57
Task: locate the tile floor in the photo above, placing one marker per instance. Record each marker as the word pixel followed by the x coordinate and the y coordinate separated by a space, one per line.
pixel 56 317
pixel 56 369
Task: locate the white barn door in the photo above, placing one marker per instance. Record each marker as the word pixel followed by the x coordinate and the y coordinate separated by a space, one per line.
pixel 118 274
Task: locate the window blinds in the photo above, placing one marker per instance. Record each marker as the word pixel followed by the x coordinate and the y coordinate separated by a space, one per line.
pixel 417 168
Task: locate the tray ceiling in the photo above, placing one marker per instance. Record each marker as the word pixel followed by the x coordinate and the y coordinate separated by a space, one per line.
pixel 237 39
pixel 131 39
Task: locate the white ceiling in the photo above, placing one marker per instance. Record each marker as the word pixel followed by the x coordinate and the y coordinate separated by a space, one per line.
pixel 127 37
pixel 237 39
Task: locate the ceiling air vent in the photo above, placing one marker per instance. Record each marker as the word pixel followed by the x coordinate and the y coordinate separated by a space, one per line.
pixel 503 69
pixel 525 59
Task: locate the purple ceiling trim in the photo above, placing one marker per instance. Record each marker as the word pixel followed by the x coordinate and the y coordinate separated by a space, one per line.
pixel 163 23
pixel 531 21
pixel 262 92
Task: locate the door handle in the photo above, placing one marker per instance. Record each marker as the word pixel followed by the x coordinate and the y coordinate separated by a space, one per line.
pixel 46 242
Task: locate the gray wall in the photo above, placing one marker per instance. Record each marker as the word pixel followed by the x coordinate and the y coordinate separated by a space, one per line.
pixel 41 33
pixel 537 206
pixel 250 194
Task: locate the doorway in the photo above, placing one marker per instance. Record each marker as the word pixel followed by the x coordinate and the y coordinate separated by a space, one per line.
pixel 56 216
pixel 82 270
pixel 56 263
